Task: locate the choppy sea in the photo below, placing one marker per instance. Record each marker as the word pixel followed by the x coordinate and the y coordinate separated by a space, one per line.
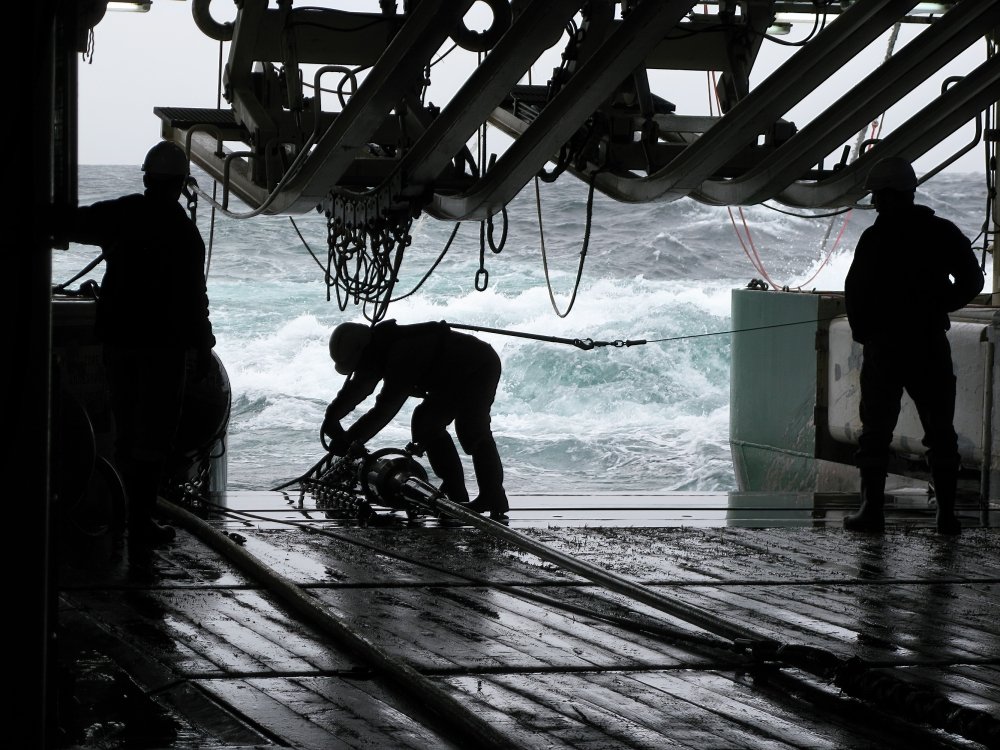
pixel 649 417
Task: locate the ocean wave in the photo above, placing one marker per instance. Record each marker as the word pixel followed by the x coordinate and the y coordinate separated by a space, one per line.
pixel 647 417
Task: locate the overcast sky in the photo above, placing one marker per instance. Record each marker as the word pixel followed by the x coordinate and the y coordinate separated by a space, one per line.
pixel 160 58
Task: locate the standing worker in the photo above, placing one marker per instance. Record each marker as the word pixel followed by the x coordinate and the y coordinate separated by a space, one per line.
pixel 153 325
pixel 932 265
pixel 455 375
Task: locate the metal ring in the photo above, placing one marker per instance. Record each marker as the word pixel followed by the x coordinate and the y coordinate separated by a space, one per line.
pixel 219 31
pixel 481 41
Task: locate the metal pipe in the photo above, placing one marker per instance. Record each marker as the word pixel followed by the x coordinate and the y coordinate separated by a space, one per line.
pixel 220 31
pixel 856 677
pixel 427 496
pixel 987 441
pixel 449 709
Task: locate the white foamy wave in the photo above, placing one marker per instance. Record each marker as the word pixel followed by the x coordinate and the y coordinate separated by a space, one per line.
pixel 646 417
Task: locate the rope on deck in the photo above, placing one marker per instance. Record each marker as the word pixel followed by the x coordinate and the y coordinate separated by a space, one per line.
pixel 916 703
pixel 854 676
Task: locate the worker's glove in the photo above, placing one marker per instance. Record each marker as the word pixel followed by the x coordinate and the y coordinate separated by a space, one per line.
pixel 331 427
pixel 338 446
pixel 356 450
pixel 332 431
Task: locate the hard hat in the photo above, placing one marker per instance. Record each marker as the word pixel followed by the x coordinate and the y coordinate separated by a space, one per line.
pixel 166 158
pixel 347 342
pixel 893 173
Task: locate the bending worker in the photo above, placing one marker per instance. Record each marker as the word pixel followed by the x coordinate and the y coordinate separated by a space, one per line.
pixel 455 375
pixel 903 335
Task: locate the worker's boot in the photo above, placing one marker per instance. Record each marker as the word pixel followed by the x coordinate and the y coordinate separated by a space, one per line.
pixel 154 533
pixel 495 503
pixel 489 475
pixel 457 494
pixel 945 489
pixel 144 533
pixel 869 517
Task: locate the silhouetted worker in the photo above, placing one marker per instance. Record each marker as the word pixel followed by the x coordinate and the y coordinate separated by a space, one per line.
pixel 910 269
pixel 153 324
pixel 455 375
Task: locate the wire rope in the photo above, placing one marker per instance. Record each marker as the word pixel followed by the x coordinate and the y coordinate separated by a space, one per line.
pixel 215 183
pixel 587 344
pixel 583 250
pixel 406 677
pixel 855 676
pixel 658 629
pixel 746 240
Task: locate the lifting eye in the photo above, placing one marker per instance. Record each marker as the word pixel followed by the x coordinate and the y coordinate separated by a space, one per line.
pixel 481 41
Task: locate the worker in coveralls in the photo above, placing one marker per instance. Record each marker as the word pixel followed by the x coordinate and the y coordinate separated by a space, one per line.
pixel 153 325
pixel 455 375
pixel 910 269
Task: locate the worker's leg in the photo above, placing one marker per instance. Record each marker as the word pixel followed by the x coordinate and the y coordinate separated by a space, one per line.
pixel 429 428
pixel 881 391
pixel 931 385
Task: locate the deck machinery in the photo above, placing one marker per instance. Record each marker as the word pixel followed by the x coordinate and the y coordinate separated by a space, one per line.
pixel 327 107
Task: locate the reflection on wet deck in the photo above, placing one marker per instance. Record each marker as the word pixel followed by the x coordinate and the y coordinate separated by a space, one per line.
pixel 509 649
pixel 699 510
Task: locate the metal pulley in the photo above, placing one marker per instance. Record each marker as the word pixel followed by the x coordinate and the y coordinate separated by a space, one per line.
pixel 384 474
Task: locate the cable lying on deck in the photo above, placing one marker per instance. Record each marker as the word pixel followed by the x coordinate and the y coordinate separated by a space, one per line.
pixel 391 478
pixel 422 690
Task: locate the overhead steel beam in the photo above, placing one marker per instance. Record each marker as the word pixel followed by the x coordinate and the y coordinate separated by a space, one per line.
pixel 932 49
pixel 321 165
pixel 800 75
pixel 915 137
pixel 536 29
pixel 620 54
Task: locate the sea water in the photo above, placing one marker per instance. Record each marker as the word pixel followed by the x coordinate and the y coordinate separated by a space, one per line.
pixel 648 417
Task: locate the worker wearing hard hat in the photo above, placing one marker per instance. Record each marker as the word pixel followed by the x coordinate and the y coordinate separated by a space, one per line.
pixel 153 324
pixel 911 269
pixel 455 375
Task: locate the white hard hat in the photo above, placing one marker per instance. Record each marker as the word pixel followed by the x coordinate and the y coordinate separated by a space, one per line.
pixel 347 342
pixel 166 158
pixel 892 173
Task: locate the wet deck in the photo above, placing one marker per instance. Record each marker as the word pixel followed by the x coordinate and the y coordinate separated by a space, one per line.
pixel 294 627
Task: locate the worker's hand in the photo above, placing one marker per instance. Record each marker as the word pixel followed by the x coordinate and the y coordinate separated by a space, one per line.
pixel 332 431
pixel 356 450
pixel 338 446
pixel 331 428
